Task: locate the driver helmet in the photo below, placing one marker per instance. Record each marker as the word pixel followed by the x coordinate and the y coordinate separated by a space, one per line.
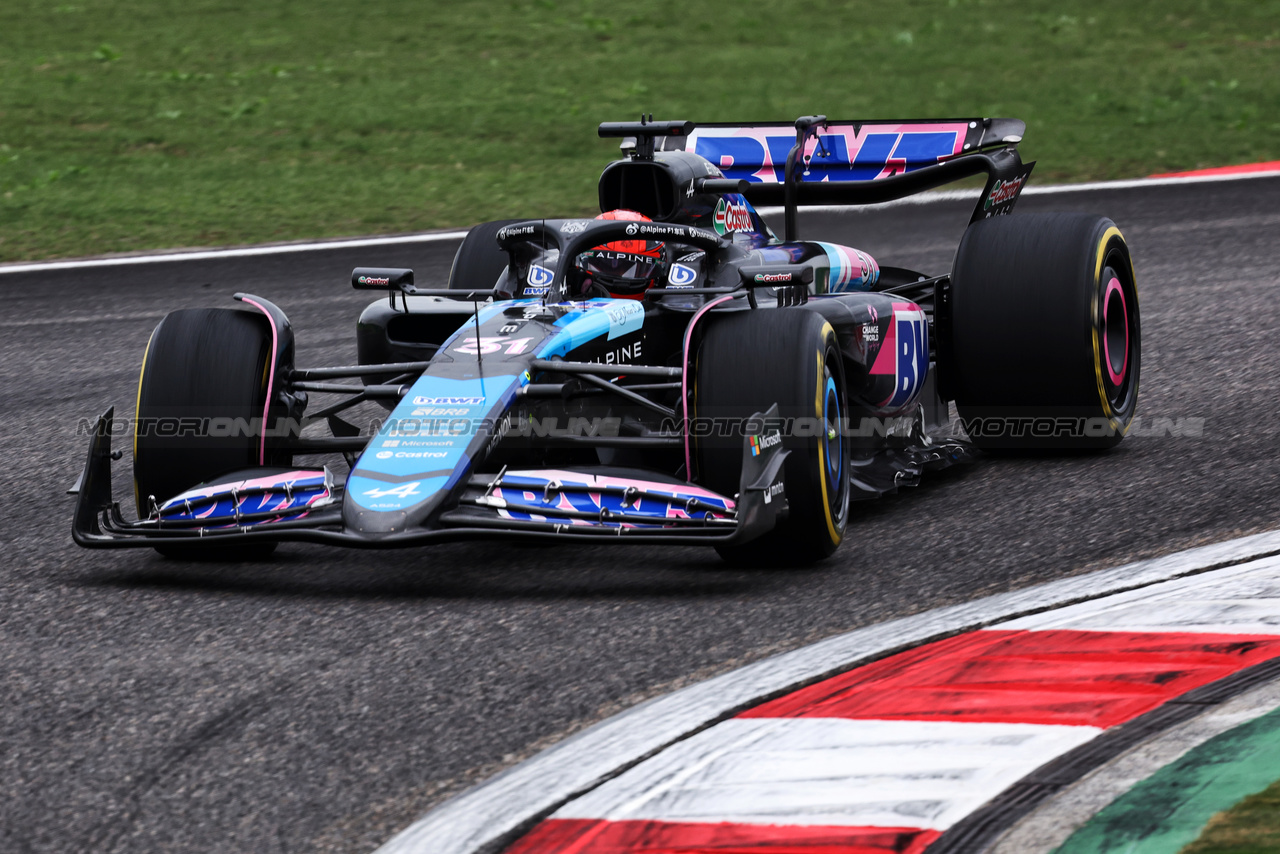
pixel 624 268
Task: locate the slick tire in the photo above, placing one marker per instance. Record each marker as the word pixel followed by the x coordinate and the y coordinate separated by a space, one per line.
pixel 479 263
pixel 201 364
pixel 1045 335
pixel 747 362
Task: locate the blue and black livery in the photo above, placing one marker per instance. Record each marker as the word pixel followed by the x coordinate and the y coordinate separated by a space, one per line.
pixel 743 401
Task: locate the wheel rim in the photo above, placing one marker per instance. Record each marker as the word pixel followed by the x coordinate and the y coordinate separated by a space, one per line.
pixel 1118 331
pixel 1115 331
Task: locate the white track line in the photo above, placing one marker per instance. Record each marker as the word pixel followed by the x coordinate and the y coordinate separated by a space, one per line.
pixel 1031 190
pixel 242 252
pixel 482 817
pixel 1241 600
pixel 440 237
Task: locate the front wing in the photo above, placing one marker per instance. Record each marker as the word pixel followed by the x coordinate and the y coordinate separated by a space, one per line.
pixel 306 506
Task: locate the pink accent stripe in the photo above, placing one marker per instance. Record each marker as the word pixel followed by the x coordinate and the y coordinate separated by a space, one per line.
pixel 274 480
pixel 1116 378
pixel 676 490
pixel 592 836
pixel 1268 166
pixel 271 378
pixel 684 379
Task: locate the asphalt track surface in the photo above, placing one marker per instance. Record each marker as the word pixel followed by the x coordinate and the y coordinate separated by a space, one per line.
pixel 325 699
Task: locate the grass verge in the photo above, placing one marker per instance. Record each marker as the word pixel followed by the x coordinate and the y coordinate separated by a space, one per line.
pixel 1250 827
pixel 137 124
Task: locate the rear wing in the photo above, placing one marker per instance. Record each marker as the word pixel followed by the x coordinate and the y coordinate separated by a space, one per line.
pixel 816 161
pixel 842 150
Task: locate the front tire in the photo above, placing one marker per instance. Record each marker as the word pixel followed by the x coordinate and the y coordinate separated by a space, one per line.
pixel 479 263
pixel 1046 346
pixel 201 364
pixel 749 361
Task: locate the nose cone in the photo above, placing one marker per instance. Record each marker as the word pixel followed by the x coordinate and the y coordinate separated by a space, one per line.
pixel 375 506
pixel 411 468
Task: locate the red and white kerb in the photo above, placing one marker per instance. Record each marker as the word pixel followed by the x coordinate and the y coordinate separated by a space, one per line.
pixel 886 757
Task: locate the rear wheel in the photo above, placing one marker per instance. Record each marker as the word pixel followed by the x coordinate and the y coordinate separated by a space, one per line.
pixel 749 361
pixel 1045 334
pixel 479 262
pixel 204 368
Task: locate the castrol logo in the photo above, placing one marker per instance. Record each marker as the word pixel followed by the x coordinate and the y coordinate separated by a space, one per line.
pixel 732 216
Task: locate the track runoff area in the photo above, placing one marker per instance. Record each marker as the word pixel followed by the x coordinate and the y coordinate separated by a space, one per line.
pixel 1013 724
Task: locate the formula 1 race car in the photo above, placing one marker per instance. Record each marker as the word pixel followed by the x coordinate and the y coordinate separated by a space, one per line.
pixel 669 372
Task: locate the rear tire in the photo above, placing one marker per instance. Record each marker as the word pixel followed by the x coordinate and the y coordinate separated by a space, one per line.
pixel 479 263
pixel 1045 333
pixel 201 364
pixel 747 362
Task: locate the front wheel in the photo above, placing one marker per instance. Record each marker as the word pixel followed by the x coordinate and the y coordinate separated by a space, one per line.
pixel 479 263
pixel 1045 335
pixel 747 362
pixel 202 410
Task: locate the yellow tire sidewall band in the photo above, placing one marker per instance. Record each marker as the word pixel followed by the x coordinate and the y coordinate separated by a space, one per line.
pixel 836 536
pixel 137 412
pixel 1101 253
